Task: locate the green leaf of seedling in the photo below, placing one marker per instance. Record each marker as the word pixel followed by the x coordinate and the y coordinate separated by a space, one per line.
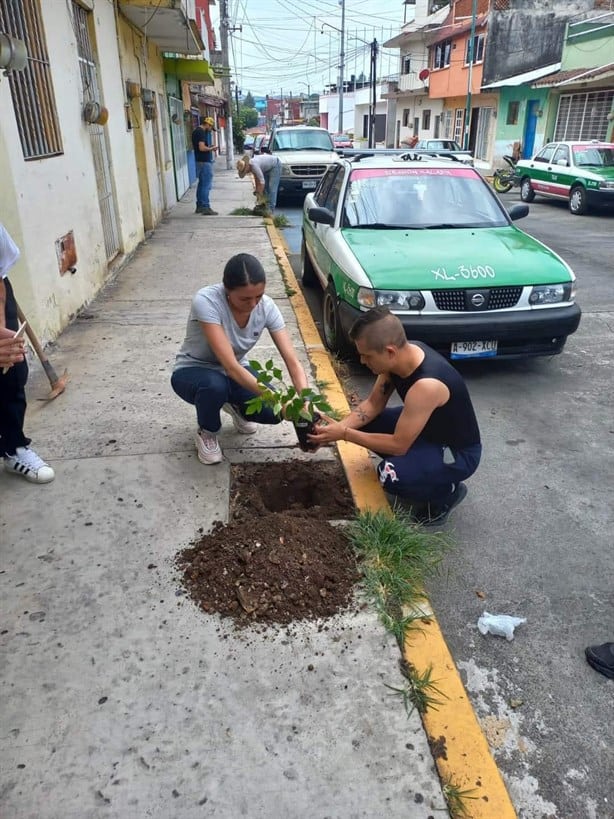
pixel 304 413
pixel 277 408
pixel 277 373
pixel 291 393
pixel 270 364
pixel 307 392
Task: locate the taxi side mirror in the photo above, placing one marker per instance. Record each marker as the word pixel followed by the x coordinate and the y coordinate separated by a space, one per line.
pixel 322 216
pixel 518 212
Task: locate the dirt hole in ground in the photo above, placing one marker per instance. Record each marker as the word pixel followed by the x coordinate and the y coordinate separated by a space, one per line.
pixel 279 559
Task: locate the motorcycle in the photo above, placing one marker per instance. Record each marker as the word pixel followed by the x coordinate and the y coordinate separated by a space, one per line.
pixel 503 179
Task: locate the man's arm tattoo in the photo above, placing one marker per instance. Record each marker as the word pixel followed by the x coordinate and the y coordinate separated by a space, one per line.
pixel 362 415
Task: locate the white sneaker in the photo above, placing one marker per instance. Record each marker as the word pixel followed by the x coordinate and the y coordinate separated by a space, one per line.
pixel 241 425
pixel 26 462
pixel 209 451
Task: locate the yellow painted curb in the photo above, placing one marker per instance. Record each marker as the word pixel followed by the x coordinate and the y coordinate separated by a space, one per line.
pixel 459 747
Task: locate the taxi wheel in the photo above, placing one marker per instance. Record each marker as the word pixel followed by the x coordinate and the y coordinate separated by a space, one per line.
pixel 334 337
pixel 577 201
pixel 527 194
pixel 308 274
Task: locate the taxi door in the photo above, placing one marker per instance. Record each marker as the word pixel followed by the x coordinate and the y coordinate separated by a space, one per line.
pixel 561 175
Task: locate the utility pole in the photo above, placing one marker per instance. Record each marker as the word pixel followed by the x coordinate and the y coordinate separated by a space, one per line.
pixel 373 93
pixel 224 25
pixel 474 10
pixel 341 67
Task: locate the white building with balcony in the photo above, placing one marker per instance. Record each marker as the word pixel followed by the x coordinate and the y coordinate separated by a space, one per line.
pixel 410 111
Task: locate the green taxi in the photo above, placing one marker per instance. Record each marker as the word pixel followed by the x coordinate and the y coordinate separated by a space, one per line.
pixel 428 238
pixel 580 172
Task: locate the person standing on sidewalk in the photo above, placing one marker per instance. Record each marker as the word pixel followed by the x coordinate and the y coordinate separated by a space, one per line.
pixel 225 322
pixel 204 154
pixel 431 443
pixel 19 459
pixel 266 170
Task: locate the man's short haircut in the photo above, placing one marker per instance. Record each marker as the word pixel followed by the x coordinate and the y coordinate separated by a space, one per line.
pixel 379 328
pixel 241 270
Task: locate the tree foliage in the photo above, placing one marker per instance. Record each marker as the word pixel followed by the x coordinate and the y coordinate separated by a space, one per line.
pixel 249 117
pixel 248 101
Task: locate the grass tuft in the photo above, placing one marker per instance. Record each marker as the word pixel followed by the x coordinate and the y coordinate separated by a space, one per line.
pixel 455 797
pixel 281 220
pixel 242 212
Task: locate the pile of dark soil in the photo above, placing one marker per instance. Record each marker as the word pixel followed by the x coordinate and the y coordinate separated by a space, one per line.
pixel 279 559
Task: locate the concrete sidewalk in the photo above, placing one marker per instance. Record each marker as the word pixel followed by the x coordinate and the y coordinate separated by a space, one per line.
pixel 120 698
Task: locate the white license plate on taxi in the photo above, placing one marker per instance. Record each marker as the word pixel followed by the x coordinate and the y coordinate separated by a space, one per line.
pixel 473 349
pixel 310 184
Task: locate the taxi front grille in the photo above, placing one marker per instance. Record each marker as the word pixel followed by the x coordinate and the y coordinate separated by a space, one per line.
pixel 308 170
pixel 487 298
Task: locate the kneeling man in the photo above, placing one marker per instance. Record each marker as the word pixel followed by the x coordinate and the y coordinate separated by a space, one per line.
pixel 430 444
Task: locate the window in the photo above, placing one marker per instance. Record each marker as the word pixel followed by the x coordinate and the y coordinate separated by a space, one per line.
pixel 324 186
pixel 405 117
pixel 426 119
pixel 478 49
pixel 584 116
pixel 447 123
pixel 459 123
pixel 561 155
pixel 545 155
pixel 513 107
pixel 405 64
pixel 332 197
pixel 32 89
pixel 441 54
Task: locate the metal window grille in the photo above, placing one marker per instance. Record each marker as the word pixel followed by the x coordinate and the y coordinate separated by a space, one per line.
pixel 481 141
pixel 583 116
pixel 32 88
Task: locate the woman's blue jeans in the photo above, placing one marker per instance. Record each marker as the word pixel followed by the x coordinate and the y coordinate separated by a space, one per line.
pixel 208 390
pixel 271 184
pixel 427 471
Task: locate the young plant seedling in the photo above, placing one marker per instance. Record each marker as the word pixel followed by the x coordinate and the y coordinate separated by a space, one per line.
pixel 279 396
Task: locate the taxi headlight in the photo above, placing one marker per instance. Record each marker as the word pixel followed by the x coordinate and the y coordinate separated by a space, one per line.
pixel 552 293
pixel 394 299
pixel 607 186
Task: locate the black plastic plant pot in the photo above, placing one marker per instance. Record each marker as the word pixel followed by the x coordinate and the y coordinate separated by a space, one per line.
pixel 303 429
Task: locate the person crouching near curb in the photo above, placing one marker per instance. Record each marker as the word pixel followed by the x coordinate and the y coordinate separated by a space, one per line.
pixel 19 458
pixel 266 170
pixel 431 443
pixel 225 322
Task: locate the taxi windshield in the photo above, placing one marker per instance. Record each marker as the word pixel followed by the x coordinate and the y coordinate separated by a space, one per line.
pixel 420 199
pixel 593 155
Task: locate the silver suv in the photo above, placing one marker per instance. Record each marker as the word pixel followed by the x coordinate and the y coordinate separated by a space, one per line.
pixel 305 152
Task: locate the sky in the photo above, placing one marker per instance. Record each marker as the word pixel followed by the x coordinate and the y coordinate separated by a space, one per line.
pixel 294 45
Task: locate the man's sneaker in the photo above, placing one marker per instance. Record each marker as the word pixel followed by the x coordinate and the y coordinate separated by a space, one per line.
pixel 241 425
pixel 26 462
pixel 199 209
pixel 437 514
pixel 601 658
pixel 209 451
pixel 208 212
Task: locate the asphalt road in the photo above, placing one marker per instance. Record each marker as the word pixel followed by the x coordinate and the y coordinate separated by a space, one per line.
pixel 534 539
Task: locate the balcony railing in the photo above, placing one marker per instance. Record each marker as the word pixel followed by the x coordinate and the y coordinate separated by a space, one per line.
pixel 170 24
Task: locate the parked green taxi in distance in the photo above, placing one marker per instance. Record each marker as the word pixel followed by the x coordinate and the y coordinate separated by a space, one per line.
pixel 427 237
pixel 581 172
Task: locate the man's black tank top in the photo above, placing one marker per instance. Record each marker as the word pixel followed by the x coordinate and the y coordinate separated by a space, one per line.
pixel 454 424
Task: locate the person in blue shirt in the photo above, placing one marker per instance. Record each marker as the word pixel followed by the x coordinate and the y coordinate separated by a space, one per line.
pixel 204 153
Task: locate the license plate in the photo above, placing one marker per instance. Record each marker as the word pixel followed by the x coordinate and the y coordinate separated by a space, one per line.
pixel 473 349
pixel 310 184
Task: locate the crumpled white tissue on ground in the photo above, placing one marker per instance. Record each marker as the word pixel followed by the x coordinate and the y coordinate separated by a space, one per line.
pixel 501 625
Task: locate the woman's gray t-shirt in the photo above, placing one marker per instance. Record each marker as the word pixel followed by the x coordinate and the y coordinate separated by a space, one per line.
pixel 210 306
